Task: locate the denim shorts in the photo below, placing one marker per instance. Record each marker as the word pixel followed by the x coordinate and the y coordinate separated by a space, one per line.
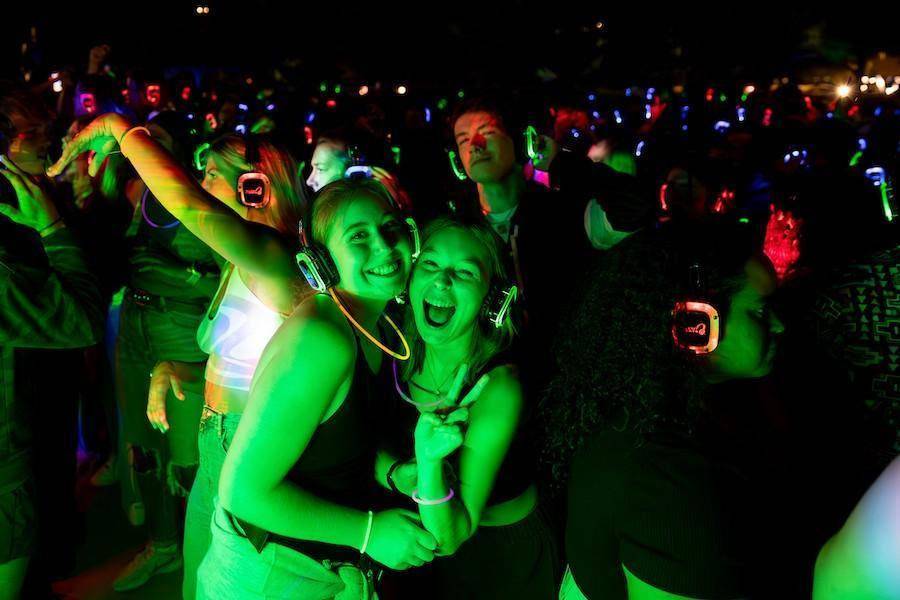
pixel 234 570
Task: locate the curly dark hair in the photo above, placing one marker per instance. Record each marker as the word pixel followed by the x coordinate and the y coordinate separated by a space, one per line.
pixel 617 365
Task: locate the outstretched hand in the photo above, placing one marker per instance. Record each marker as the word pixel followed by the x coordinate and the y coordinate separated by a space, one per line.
pixel 101 136
pixel 35 209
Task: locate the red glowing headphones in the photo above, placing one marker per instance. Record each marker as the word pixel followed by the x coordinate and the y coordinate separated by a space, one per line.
pixel 695 322
pixel 253 187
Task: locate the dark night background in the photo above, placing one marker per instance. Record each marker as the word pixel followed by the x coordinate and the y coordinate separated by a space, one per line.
pixel 458 42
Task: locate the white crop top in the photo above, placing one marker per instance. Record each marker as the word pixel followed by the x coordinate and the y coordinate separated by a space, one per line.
pixel 235 334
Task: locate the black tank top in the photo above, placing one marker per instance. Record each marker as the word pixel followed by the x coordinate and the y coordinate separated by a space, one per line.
pixel 517 472
pixel 337 465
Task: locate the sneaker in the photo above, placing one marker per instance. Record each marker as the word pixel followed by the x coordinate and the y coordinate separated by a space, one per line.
pixel 150 561
pixel 106 474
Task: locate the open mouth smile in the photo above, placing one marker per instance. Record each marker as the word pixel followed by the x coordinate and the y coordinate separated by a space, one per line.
pixel 438 313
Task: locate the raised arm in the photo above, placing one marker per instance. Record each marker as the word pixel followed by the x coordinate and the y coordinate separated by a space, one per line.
pixel 251 246
pixel 305 367
pixel 52 305
pixel 493 419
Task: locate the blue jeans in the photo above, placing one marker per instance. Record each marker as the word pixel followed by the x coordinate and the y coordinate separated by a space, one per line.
pixel 148 335
pixel 216 432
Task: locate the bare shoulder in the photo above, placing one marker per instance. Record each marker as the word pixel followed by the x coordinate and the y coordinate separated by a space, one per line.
pixel 315 330
pixel 501 391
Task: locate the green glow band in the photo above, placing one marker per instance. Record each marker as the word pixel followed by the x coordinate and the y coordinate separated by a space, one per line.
pixel 461 175
pixel 856 157
pixel 200 156
pixel 885 201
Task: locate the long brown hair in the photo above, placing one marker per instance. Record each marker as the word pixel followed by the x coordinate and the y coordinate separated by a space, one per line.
pixel 288 202
pixel 488 341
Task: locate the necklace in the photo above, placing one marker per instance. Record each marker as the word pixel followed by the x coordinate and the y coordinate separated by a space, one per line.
pixel 410 400
pixel 369 336
pixel 439 386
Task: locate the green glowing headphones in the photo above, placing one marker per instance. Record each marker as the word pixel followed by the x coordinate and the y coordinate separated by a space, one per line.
pixel 498 303
pixel 315 261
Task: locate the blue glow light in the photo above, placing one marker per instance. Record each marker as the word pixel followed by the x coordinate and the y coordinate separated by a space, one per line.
pixel 311 116
pixel 861 143
pixel 628 92
pixel 741 114
pixel 650 93
pixel 722 126
pixel 592 97
pixel 647 113
pixel 427 115
pixel 618 116
pixel 241 128
pixel 242 107
pixel 270 107
pixel 639 149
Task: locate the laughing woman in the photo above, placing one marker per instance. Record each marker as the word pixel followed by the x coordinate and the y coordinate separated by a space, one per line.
pixel 460 424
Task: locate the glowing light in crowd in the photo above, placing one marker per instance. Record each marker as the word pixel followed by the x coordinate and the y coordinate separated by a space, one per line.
pixel 427 115
pixel 311 116
pixel 767 117
pixel 722 126
pixel 639 149
pixel 201 10
pixel 663 205
pixel 241 128
pixel 58 86
pixel 363 90
pixel 782 242
pixel 331 103
pixel 308 135
pixel 211 120
pixel 741 114
pixel 242 107
pixel 599 25
pixel 843 90
pixel 618 116
pixel 270 107
pixel 749 89
pixel 592 97
pixel 152 94
pixel 401 90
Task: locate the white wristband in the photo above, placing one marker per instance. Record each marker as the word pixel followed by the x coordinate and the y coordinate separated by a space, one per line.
pixel 365 543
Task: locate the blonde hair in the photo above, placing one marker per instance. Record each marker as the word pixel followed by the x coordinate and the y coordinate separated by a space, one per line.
pixel 488 340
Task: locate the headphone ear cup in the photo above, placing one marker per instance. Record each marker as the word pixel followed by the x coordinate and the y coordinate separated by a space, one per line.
pixel 498 304
pixel 456 165
pixel 254 190
pixel 414 235
pixel 695 327
pixel 318 267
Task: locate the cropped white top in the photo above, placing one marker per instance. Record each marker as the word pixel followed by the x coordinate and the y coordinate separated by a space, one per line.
pixel 234 333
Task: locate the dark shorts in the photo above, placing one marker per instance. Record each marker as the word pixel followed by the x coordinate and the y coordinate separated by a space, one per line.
pixel 17 523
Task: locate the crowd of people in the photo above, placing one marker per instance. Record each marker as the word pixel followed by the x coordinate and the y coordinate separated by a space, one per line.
pixel 350 344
